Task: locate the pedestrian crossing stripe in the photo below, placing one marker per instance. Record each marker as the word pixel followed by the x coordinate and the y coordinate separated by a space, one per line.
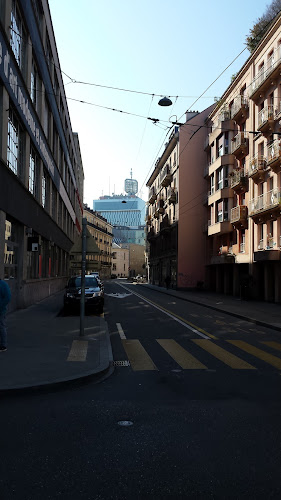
pixel 225 356
pixel 258 353
pixel 141 361
pixel 181 355
pixel 138 356
pixel 274 345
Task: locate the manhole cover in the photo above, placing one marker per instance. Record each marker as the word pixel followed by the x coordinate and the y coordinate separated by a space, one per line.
pixel 121 363
pixel 125 423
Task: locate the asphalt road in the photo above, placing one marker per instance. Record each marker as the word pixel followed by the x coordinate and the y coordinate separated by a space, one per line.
pixel 204 412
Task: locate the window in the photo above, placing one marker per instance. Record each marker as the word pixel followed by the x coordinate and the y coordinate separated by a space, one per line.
pixel 12 240
pixel 15 144
pixel 38 12
pixel 212 184
pixel 18 36
pixel 46 119
pixel 54 202
pixel 220 178
pixel 44 188
pixel 34 83
pixel 48 52
pixel 33 172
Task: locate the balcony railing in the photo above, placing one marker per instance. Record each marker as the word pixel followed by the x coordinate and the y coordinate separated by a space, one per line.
pixel 165 176
pixel 152 195
pixel 257 164
pixel 224 115
pixel 274 152
pixel 265 115
pixel 239 141
pixel 240 103
pixel 265 71
pixel 171 195
pixel 238 177
pixel 265 201
pixel 238 213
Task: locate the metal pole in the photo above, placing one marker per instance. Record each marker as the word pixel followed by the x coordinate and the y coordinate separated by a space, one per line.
pixel 83 269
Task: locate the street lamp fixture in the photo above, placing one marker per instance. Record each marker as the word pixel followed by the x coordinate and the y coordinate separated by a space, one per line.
pixel 165 101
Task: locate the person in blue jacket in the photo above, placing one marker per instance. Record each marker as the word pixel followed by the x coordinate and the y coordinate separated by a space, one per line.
pixel 5 297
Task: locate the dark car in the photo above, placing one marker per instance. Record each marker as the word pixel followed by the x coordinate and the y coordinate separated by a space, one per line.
pixel 94 295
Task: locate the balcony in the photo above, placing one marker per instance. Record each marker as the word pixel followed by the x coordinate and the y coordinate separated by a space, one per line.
pixel 266 120
pixel 155 212
pixel 266 206
pixel 267 250
pixel 238 180
pixel 152 195
pixel 240 145
pixel 165 224
pixel 257 168
pixel 160 206
pixel 224 158
pixel 224 256
pixel 223 227
pixel 239 108
pixel 165 176
pixel 274 156
pixel 222 191
pixel 266 76
pixel 171 195
pixel 239 216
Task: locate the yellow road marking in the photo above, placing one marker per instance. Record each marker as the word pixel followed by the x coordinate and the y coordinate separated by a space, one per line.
pixel 274 345
pixel 180 355
pixel 171 313
pixel 226 357
pixel 138 357
pixel 78 351
pixel 258 353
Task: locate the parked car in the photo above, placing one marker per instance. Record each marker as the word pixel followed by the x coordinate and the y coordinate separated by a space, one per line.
pixel 97 276
pixel 94 294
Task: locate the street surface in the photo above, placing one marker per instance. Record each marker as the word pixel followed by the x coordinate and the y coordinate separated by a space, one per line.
pixel 200 388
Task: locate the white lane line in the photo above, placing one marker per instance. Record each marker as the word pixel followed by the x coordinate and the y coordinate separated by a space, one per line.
pixel 170 315
pixel 120 331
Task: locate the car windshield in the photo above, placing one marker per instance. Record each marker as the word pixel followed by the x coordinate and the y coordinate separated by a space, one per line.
pixel 90 281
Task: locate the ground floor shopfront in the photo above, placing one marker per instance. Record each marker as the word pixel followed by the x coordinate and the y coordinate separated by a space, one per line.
pixel 34 249
pixel 260 280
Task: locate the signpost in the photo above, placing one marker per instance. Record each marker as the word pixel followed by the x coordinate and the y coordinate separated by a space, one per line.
pixel 83 269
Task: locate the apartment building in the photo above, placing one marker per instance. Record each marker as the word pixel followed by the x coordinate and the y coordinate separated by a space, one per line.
pixel 41 171
pixel 101 231
pixel 244 175
pixel 120 261
pixel 162 214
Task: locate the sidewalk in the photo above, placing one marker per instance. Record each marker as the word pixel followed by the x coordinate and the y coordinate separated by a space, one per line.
pixel 39 343
pixel 261 313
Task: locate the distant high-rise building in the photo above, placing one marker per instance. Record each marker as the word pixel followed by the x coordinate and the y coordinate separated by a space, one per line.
pixel 131 186
pixel 125 213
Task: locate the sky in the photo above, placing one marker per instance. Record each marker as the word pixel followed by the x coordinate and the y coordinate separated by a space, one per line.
pixel 150 48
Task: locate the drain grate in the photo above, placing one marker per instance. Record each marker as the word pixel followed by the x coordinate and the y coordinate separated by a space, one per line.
pixel 121 363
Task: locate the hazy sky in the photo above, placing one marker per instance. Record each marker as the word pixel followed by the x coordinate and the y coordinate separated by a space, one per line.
pixel 150 46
